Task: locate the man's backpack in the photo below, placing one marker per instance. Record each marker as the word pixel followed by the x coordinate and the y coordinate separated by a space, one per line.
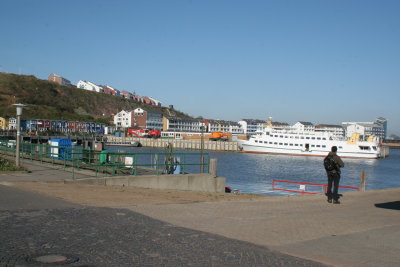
pixel 330 164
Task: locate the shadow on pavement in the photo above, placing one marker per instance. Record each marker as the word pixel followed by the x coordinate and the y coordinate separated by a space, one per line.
pixel 395 205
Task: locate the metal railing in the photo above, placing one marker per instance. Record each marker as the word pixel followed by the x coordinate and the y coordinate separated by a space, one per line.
pixel 303 187
pixel 110 163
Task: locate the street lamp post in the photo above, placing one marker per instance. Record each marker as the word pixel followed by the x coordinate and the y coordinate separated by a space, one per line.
pixel 19 113
pixel 202 149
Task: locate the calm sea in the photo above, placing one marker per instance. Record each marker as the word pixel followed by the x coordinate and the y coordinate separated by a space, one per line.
pixel 254 173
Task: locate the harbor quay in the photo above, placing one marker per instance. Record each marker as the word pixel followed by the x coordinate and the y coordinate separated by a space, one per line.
pixel 45 222
pixel 193 144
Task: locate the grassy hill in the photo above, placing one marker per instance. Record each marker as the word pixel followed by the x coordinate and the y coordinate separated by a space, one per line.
pixel 49 100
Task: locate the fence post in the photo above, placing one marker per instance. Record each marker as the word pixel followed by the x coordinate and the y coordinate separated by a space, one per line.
pixel 363 181
pixel 213 167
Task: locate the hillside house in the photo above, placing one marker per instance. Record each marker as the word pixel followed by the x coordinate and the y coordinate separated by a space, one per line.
pixel 155 102
pixel 127 95
pixel 58 79
pixel 89 86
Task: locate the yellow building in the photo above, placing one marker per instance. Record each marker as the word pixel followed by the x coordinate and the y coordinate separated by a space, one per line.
pixel 3 123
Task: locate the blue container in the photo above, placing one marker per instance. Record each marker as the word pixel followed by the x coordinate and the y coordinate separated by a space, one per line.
pixel 117 134
pixel 61 148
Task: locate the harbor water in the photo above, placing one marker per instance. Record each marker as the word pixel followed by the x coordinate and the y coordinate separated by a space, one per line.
pixel 254 173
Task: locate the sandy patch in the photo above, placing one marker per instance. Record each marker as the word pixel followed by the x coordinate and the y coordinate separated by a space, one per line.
pixel 102 196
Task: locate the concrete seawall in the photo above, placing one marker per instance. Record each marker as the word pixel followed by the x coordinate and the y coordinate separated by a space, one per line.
pixel 178 144
pixel 186 182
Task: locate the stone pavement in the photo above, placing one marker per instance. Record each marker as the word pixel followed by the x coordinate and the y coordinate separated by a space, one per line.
pixel 38 230
pixel 34 226
pixel 285 231
pixel 43 172
pixel 362 231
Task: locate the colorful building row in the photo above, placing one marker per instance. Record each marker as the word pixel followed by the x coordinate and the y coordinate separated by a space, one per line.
pixel 39 125
pixel 106 89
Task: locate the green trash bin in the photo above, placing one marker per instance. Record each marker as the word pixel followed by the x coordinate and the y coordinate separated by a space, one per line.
pixel 103 156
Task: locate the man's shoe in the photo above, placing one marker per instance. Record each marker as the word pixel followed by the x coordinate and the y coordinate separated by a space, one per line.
pixel 336 202
pixel 329 200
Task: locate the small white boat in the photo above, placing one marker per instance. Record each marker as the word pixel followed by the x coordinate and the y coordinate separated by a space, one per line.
pixel 126 144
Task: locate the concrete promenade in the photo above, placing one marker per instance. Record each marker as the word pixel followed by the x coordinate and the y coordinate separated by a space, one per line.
pixel 284 231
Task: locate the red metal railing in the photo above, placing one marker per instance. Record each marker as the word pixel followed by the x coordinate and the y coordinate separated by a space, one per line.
pixel 325 186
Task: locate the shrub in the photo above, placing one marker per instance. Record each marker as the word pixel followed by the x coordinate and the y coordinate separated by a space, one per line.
pixel 6 165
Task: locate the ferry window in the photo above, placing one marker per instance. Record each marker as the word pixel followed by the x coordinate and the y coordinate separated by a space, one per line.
pixel 318 146
pixel 313 138
pixel 281 136
pixel 318 138
pixel 302 137
pixel 275 143
pixel 340 147
pixel 291 136
pixel 280 144
pixel 323 138
pixel 286 136
pixel 291 144
pixel 374 148
pixel 312 145
pixel 296 137
pixel 256 141
pixel 296 144
pixel 323 146
pixel 286 144
pixel 270 143
pixel 265 142
pixel 276 135
pixel 307 137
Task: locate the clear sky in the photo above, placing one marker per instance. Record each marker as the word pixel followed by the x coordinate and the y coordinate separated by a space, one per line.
pixel 319 61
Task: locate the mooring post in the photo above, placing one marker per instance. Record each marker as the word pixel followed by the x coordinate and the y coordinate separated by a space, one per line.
pixel 363 181
pixel 213 167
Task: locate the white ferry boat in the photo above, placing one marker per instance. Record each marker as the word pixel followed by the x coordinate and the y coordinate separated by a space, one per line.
pixel 312 143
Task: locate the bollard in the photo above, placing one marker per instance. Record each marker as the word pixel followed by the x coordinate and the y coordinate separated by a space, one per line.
pixel 363 181
pixel 213 167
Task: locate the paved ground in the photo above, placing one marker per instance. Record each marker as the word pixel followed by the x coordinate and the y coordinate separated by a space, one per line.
pixel 362 231
pixel 35 229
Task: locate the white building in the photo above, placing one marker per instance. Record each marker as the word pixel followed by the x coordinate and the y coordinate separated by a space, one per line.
pixel 12 123
pixel 337 130
pixel 178 124
pixel 89 86
pixel 223 126
pixel 303 127
pixel 250 126
pixel 123 119
pixel 365 129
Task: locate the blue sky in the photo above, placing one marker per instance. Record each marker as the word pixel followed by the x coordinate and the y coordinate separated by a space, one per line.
pixel 318 61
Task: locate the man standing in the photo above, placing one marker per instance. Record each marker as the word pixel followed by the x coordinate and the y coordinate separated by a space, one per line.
pixel 332 164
